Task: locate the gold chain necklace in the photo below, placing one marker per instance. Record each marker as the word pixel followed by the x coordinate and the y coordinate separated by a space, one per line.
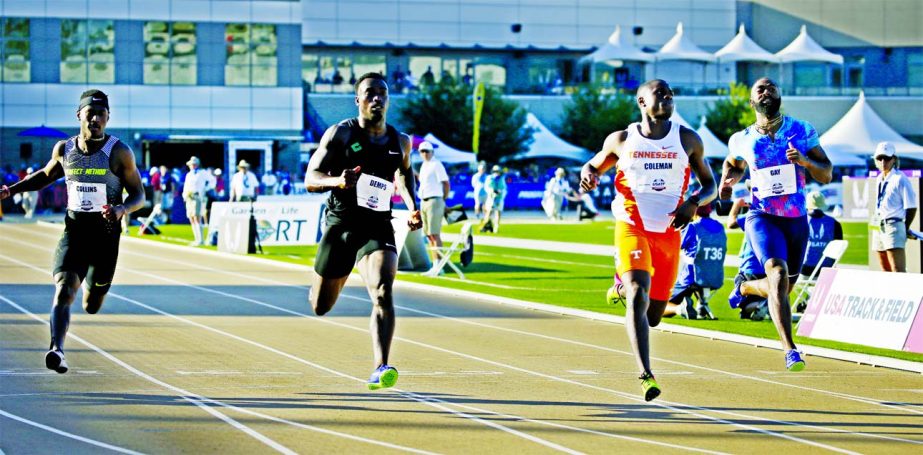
pixel 767 126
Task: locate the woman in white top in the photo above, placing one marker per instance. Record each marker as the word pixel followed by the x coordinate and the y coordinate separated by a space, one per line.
pixel 895 208
pixel 555 191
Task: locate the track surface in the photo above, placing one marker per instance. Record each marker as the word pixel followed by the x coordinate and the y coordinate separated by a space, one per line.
pixel 194 352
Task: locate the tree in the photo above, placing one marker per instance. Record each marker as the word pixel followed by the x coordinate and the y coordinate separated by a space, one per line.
pixel 591 116
pixel 446 111
pixel 731 113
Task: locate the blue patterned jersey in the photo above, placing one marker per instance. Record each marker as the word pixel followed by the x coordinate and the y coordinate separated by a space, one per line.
pixel 777 183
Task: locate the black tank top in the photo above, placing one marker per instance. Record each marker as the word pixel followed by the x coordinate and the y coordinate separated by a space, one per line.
pixel 92 169
pixel 379 160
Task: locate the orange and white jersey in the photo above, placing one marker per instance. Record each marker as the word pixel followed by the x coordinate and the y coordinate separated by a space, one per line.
pixel 651 179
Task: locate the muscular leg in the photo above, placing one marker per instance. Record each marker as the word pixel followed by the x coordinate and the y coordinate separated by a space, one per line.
pixel 898 259
pixel 636 286
pixel 324 293
pixel 378 270
pixel 779 305
pixel 884 261
pixel 66 285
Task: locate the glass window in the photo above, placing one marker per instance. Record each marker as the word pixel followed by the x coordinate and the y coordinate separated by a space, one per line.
pixel 424 70
pixel 915 70
pixel 367 63
pixel 336 72
pixel 87 51
pixel 169 53
pixel 14 50
pixel 490 72
pixel 252 55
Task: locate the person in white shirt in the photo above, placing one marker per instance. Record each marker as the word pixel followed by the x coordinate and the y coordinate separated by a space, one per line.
pixel 477 184
pixel 244 184
pixel 895 208
pixel 270 183
pixel 194 187
pixel 434 190
pixel 555 191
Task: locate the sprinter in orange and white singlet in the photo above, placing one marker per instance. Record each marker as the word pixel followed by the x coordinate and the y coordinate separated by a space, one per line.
pixel 654 160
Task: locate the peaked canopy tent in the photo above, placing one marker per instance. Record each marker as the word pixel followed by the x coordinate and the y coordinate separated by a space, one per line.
pixel 859 132
pixel 804 49
pixel 443 152
pixel 681 48
pixel 742 48
pixel 714 148
pixel 546 144
pixel 615 51
pixel 617 48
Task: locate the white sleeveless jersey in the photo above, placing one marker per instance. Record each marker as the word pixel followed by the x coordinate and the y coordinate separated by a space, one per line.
pixel 651 179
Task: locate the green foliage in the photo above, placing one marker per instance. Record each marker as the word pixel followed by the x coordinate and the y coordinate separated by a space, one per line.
pixel 446 111
pixel 731 113
pixel 592 115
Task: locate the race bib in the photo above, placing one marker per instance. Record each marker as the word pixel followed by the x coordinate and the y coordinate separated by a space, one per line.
pixel 776 181
pixel 657 182
pixel 374 193
pixel 86 197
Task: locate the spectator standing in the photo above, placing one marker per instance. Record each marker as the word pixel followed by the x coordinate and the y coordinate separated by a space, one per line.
pixel 30 199
pixel 244 184
pixel 495 185
pixel 270 183
pixel 434 190
pixel 480 193
pixel 194 187
pixel 556 190
pixel 895 208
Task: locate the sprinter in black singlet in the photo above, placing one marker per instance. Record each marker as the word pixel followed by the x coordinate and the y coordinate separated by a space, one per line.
pixel 357 161
pixel 96 168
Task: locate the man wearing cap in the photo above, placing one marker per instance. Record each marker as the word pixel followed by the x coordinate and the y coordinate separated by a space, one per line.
pixel 96 167
pixel 357 161
pixel 244 184
pixel 194 186
pixel 434 190
pixel 895 209
pixel 822 229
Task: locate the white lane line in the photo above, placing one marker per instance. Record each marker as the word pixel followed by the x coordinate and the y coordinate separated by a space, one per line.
pixel 894 406
pixel 438 403
pixel 65 434
pixel 673 406
pixel 630 397
pixel 429 400
pixel 198 399
pixel 185 395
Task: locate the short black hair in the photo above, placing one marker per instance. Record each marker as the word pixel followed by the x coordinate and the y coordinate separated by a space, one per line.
pixel 376 76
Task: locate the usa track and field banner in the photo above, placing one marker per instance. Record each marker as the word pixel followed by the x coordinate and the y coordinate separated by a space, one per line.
pixel 277 222
pixel 870 308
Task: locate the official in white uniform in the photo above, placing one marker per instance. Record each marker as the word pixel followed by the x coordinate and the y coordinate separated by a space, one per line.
pixel 434 190
pixel 895 207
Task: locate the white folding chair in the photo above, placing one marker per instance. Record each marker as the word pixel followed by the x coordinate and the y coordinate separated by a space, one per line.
pixel 445 252
pixel 834 250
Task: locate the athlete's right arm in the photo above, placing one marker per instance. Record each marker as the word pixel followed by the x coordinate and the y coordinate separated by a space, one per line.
pixel 731 222
pixel 318 178
pixel 731 173
pixel 40 178
pixel 602 161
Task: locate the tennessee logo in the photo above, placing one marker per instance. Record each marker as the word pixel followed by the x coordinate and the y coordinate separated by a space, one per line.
pixel 635 254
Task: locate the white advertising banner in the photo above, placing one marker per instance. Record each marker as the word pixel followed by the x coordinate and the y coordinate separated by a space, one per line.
pixel 869 308
pixel 277 222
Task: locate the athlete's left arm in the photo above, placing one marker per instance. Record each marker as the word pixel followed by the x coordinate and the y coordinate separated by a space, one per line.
pixel 692 144
pixel 815 161
pixel 124 167
pixel 406 183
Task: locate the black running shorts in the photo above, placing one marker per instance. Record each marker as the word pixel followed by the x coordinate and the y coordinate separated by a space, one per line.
pixel 342 246
pixel 88 247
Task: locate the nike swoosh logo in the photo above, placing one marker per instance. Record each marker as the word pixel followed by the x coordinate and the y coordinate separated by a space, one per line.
pixel 388 244
pixel 100 284
pixel 668 147
pixel 393 153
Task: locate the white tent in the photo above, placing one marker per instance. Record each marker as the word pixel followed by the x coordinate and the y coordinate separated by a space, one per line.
pixel 444 153
pixel 680 47
pixel 714 148
pixel 617 48
pixel 859 132
pixel 679 119
pixel 743 48
pixel 804 49
pixel 547 145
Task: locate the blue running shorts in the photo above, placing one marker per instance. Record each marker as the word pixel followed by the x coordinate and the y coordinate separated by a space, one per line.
pixel 778 237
